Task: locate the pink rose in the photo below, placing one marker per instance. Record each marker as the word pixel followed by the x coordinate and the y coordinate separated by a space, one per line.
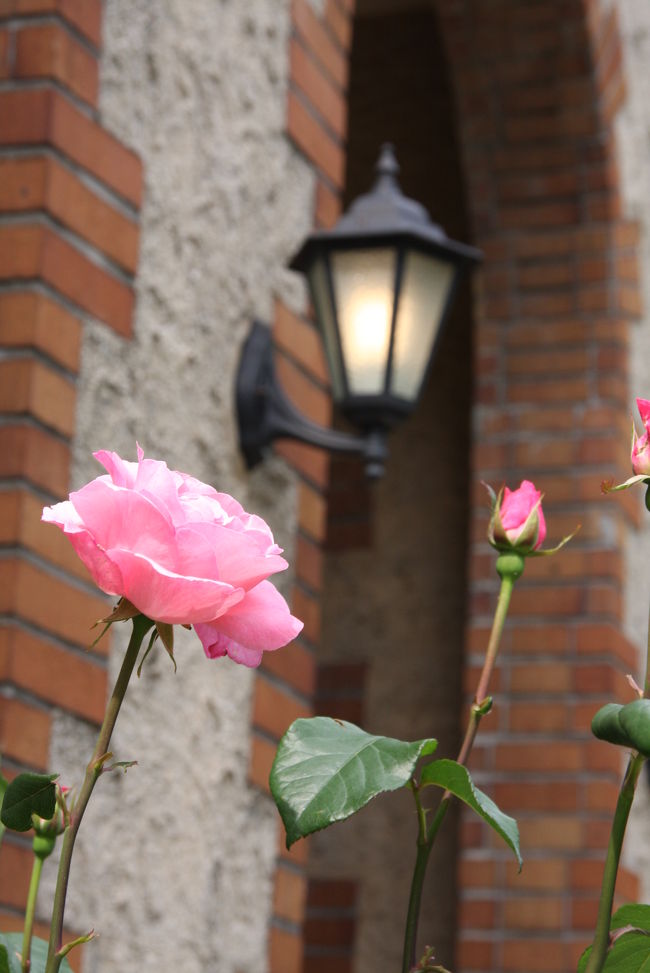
pixel 640 451
pixel 181 553
pixel 522 517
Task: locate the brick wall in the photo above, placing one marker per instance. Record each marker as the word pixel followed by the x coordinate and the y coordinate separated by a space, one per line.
pixel 537 88
pixel 69 200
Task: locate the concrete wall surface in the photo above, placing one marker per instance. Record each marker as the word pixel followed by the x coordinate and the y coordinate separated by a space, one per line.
pixel 174 862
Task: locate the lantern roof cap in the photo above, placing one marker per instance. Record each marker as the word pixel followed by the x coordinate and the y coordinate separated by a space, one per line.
pixel 383 213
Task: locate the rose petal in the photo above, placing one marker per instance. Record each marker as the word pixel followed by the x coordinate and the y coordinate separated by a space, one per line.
pixel 238 557
pixel 168 597
pixel 261 621
pixel 121 518
pixel 121 471
pixel 643 405
pixel 106 575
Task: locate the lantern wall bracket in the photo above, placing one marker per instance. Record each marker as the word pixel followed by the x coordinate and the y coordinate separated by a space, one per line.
pixel 265 412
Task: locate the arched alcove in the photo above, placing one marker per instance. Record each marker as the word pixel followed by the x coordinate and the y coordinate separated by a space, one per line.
pixel 394 594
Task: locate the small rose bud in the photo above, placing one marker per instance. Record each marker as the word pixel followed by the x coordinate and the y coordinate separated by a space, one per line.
pixel 640 445
pixel 517 522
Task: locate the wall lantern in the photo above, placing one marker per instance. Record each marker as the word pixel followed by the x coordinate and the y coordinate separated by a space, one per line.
pixel 381 282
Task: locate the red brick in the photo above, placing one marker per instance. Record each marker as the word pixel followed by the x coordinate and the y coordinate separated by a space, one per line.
pixel 37 116
pixel 318 39
pixel 29 251
pixel 301 341
pixel 24 733
pixel 333 932
pixel 75 683
pixel 339 22
pixel 28 386
pixel 565 756
pixel 308 609
pixel 311 462
pixel 547 874
pixel 85 15
pixel 48 51
pixel 285 951
pixel 262 755
pixel 42 183
pixel 476 914
pixel 534 956
pixel 33 454
pixel 325 97
pixel 294 664
pixel 273 709
pixel 311 399
pixel 16 864
pixel 5 67
pixel 328 206
pixel 308 562
pixel 289 895
pixel 32 320
pixel 49 602
pixel 332 893
pixel 312 512
pixel 533 913
pixel 312 139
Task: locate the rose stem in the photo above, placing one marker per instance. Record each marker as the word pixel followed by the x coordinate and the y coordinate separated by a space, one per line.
pixel 34 882
pixel 141 624
pixel 509 566
pixel 626 796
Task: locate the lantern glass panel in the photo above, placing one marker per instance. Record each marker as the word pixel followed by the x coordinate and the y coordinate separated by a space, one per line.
pixel 364 282
pixel 426 282
pixel 321 296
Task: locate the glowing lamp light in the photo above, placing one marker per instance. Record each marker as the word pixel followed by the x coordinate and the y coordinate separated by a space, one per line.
pixel 382 282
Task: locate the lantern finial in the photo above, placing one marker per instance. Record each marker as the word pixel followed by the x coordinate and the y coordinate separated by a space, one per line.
pixel 387 167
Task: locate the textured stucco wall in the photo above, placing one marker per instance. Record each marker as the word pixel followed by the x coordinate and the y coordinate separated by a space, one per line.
pixel 175 859
pixel 633 143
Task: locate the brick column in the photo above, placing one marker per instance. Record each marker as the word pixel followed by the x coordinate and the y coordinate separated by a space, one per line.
pixel 286 682
pixel 538 86
pixel 69 200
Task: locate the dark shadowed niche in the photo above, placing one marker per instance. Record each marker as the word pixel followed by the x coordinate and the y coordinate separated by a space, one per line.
pixel 395 580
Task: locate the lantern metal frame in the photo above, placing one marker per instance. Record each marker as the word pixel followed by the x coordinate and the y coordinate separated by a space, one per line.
pixel 383 219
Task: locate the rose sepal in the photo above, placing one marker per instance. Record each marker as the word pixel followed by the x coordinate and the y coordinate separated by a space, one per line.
pixel 544 552
pixel 608 486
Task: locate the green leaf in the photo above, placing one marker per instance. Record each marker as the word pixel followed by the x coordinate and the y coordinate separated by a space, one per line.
pixel 455 778
pixel 4 960
pixel 606 725
pixel 13 943
pixel 631 952
pixel 4 783
pixel 28 794
pixel 10 947
pixel 325 770
pixel 632 915
pixel 635 721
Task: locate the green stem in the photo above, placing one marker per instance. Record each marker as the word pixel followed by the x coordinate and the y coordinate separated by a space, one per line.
pixel 626 796
pixel 30 909
pixel 510 567
pixel 141 625
pixel 646 688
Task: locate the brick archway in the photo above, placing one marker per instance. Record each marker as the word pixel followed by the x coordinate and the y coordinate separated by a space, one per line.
pixel 537 89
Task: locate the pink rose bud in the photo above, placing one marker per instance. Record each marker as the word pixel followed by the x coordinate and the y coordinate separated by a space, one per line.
pixel 640 445
pixel 518 520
